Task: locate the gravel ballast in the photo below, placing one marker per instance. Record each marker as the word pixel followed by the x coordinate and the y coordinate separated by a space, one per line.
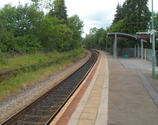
pixel 13 104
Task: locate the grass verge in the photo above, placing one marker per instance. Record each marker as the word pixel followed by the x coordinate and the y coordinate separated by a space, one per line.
pixel 14 84
pixel 35 58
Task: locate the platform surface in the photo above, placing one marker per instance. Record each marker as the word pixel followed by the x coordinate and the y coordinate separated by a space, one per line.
pixel 116 92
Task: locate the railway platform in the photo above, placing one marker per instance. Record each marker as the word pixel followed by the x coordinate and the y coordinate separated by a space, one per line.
pixel 116 92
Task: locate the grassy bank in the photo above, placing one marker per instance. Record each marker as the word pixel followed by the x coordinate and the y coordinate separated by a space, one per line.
pixel 23 80
pixel 38 57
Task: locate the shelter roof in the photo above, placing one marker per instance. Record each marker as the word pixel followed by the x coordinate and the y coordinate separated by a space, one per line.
pixel 125 35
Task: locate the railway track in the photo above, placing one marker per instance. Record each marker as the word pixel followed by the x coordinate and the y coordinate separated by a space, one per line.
pixel 44 109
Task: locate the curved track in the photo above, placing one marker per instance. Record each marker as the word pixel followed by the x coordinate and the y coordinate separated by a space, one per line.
pixel 44 109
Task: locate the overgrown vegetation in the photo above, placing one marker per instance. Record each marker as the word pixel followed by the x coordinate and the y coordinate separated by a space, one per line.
pixel 27 29
pixel 36 39
pixel 96 38
pixel 26 78
pixel 35 58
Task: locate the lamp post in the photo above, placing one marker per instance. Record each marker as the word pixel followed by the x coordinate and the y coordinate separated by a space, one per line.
pixel 153 43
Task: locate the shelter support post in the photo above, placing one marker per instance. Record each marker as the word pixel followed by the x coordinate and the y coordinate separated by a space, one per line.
pixel 138 50
pixel 142 52
pixel 115 47
pixel 135 50
pixel 106 45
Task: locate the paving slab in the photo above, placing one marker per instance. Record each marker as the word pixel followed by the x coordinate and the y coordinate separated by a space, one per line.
pixel 129 101
pixel 137 63
pixel 95 111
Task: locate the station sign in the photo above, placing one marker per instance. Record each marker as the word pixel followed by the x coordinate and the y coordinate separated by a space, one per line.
pixel 144 35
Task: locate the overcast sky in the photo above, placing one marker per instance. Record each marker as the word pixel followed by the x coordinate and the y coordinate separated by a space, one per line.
pixel 94 13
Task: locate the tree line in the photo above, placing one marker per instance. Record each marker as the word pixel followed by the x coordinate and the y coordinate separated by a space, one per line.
pixel 39 25
pixel 131 17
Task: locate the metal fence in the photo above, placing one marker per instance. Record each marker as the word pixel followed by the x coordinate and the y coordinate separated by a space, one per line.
pixel 147 53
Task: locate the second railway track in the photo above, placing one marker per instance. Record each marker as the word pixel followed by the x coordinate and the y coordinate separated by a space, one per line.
pixel 44 109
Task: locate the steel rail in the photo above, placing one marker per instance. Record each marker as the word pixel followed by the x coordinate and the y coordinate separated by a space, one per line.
pixel 19 113
pixel 62 105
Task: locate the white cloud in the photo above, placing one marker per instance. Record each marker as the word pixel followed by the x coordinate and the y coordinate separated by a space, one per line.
pixel 94 13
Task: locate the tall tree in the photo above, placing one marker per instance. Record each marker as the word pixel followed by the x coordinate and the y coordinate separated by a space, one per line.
pixel 25 28
pixel 137 14
pixel 59 10
pixel 156 21
pixel 119 13
pixel 96 38
pixel 156 28
pixel 76 25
